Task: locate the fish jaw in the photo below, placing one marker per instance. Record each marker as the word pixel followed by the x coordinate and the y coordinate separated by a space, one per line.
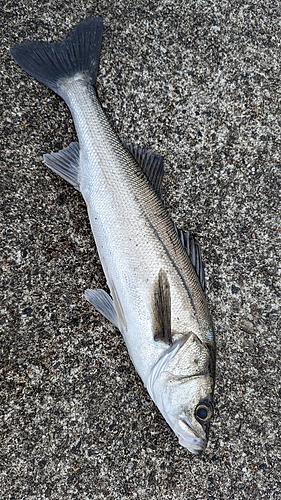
pixel 188 438
pixel 194 445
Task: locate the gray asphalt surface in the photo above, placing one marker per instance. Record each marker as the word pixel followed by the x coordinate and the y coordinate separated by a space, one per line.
pixel 198 82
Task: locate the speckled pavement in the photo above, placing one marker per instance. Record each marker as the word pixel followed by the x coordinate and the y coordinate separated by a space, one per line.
pixel 198 82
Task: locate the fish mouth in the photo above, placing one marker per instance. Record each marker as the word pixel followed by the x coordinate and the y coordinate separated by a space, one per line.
pixel 188 437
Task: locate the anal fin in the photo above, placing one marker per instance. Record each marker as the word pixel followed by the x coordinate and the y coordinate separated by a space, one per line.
pixel 65 163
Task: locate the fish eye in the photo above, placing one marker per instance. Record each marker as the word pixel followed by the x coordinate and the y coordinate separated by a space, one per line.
pixel 203 412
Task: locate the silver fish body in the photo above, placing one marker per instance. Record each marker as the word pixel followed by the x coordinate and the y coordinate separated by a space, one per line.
pixel 157 301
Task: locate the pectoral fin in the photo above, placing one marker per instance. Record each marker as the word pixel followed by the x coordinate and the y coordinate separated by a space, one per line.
pixel 161 308
pixel 103 303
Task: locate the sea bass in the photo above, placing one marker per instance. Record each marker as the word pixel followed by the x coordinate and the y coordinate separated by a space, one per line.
pixel 153 270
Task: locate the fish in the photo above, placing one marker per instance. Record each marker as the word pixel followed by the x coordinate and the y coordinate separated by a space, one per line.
pixel 153 270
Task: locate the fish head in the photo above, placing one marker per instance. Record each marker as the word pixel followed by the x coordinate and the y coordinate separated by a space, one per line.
pixel 182 386
pixel 193 411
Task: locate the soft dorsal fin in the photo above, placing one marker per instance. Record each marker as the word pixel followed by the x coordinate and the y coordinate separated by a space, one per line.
pixel 151 163
pixel 192 248
pixel 161 308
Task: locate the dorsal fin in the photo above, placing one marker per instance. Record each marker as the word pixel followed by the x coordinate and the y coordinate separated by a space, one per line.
pixel 192 248
pixel 161 308
pixel 151 163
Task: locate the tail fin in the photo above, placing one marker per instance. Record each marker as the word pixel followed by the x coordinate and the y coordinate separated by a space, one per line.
pixel 50 63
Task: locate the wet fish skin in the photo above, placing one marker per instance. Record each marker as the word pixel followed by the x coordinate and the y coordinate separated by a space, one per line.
pixel 156 300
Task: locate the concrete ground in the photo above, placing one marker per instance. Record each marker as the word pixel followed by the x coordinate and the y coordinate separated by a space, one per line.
pixel 198 82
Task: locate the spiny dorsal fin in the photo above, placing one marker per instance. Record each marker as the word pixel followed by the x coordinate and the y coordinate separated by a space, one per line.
pixel 151 163
pixel 192 248
pixel 161 308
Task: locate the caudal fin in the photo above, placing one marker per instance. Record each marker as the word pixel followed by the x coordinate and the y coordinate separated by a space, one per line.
pixel 50 63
